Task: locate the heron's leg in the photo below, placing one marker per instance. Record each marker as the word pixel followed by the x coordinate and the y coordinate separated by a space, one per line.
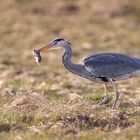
pixel 105 89
pixel 105 100
pixel 106 96
pixel 117 94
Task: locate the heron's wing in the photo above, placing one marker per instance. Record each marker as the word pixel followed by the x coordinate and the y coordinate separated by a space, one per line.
pixel 111 64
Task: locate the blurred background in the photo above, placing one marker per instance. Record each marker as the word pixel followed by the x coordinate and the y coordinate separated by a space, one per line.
pixel 92 26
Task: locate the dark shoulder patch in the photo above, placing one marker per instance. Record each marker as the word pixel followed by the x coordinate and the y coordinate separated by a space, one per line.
pixel 104 79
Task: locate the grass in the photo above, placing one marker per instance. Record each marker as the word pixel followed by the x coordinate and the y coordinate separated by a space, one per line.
pixel 39 102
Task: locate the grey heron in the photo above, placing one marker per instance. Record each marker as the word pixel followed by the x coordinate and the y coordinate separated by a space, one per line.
pixel 104 67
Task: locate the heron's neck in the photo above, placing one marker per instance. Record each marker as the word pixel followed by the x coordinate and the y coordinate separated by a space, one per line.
pixel 74 68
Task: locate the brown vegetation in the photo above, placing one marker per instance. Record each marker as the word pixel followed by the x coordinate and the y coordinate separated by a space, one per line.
pixel 46 101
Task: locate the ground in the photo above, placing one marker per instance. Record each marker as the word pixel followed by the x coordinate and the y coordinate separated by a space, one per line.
pixel 39 102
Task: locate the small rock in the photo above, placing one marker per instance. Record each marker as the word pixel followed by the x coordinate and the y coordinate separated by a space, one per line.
pixel 55 87
pixel 74 96
pixel 57 127
pixel 2 83
pixel 18 138
pixel 38 130
pixel 10 91
pixel 34 129
pixel 2 66
pixel 42 85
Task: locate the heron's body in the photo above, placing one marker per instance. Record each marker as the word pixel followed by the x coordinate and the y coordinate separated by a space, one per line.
pixel 112 65
pixel 105 67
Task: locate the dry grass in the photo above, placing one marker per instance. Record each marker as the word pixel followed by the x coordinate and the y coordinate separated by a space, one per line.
pixel 46 101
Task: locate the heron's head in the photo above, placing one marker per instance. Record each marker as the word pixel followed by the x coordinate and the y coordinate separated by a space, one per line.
pixel 54 44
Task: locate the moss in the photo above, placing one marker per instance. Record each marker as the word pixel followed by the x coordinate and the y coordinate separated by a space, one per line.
pixel 98 95
pixel 16 84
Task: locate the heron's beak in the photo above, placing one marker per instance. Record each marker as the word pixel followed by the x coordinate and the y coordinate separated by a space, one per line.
pixel 45 48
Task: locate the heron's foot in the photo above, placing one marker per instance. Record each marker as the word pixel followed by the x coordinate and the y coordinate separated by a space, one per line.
pixel 105 100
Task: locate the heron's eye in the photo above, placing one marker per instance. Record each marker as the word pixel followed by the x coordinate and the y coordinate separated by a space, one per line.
pixel 55 43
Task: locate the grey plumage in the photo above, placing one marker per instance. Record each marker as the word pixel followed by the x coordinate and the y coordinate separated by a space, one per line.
pixel 111 65
pixel 105 67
